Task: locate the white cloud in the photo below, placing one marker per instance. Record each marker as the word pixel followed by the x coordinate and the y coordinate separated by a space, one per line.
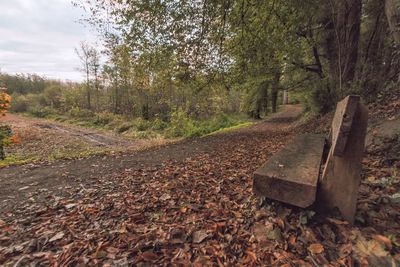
pixel 39 36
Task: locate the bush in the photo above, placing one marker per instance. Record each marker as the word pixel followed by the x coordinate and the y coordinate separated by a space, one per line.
pixel 41 112
pixel 181 125
pixel 323 100
pixel 104 118
pixel 5 134
pixel 159 125
pixel 142 124
pixel 19 103
pixel 124 127
pixel 77 112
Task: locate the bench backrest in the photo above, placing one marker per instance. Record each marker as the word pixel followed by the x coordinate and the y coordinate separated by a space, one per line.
pixel 341 176
pixel 342 122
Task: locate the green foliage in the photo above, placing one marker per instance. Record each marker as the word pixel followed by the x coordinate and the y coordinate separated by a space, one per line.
pixel 5 134
pixel 124 127
pixel 77 112
pixel 323 99
pixel 181 125
pixel 20 103
pixel 103 118
pixel 158 125
pixel 41 112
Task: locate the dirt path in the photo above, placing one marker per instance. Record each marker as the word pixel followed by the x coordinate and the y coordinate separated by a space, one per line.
pixel 44 140
pixel 66 131
pixel 39 182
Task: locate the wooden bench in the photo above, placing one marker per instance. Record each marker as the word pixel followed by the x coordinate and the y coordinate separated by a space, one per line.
pixel 293 175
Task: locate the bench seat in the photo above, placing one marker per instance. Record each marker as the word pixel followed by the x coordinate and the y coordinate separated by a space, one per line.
pixel 291 175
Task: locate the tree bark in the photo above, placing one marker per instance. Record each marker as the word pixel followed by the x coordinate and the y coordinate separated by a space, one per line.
pixel 274 92
pixel 392 11
pixel 343 18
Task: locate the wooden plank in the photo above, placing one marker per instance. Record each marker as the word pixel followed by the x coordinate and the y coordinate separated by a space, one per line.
pixel 341 123
pixel 341 176
pixel 291 175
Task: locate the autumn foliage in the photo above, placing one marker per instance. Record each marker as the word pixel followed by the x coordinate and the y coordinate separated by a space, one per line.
pixel 5 102
pixel 6 135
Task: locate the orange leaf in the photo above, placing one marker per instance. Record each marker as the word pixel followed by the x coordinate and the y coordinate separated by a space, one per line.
pixel 316 248
pixel 383 239
pixel 252 255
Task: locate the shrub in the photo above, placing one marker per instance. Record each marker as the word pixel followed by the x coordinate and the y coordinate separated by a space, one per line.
pixel 181 125
pixel 159 125
pixel 5 139
pixel 323 99
pixel 124 127
pixel 41 112
pixel 104 118
pixel 77 112
pixel 142 124
pixel 19 103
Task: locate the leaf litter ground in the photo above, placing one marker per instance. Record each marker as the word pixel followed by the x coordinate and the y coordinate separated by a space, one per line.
pixel 201 211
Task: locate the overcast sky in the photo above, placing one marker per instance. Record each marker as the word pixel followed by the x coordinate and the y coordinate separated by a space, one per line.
pixel 39 36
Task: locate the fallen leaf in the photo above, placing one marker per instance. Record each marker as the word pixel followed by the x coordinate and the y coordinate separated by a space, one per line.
pixel 345 250
pixel 149 256
pixel 165 197
pixel 199 236
pixel 252 255
pixel 183 209
pixel 384 240
pixel 316 248
pixel 58 236
pixel 70 206
pixel 337 222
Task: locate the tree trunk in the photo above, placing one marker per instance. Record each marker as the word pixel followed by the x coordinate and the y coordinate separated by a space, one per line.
pixel 392 11
pixel 88 98
pixel 343 18
pixel 274 92
pixel 2 154
pixel 264 96
pixel 285 97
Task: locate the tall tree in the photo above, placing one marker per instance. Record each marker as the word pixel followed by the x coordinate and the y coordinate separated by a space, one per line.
pixel 342 20
pixel 85 53
pixel 392 11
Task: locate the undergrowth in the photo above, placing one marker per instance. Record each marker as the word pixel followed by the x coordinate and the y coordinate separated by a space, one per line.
pixel 178 125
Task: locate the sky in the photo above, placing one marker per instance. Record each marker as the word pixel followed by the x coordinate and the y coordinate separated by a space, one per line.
pixel 40 36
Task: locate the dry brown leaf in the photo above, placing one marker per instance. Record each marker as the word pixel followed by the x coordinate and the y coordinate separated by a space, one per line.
pixel 199 236
pixel 345 250
pixel 292 240
pixel 149 256
pixel 384 240
pixel 338 222
pixel 252 255
pixel 56 237
pixel 316 248
pixel 183 209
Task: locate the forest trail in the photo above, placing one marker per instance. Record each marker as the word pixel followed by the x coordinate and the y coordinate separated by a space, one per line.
pixel 185 203
pixel 21 183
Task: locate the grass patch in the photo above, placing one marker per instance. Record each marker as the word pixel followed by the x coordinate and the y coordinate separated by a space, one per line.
pixel 13 159
pixel 76 150
pixel 235 127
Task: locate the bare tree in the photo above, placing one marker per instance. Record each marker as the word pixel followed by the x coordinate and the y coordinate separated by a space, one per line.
pixel 86 53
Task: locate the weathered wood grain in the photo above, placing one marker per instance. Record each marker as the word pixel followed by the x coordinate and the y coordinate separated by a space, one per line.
pixel 291 175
